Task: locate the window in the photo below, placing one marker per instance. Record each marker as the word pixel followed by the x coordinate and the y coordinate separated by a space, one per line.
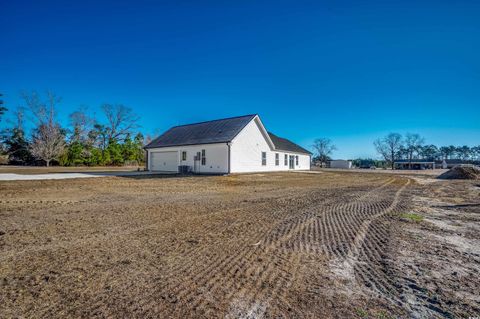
pixel 277 159
pixel 184 156
pixel 286 160
pixel 296 160
pixel 264 158
pixel 204 159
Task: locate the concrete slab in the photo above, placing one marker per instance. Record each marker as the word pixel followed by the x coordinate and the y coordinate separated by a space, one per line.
pixel 30 177
pixel 20 177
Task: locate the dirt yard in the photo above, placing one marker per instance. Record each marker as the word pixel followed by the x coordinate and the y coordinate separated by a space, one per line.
pixel 292 245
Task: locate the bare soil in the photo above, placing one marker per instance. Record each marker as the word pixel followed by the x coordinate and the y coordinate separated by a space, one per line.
pixel 462 172
pixel 328 245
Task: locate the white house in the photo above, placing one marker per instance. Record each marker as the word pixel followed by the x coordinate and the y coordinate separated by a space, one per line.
pixel 231 145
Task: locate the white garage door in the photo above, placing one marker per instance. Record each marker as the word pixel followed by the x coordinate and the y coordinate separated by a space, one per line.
pixel 164 161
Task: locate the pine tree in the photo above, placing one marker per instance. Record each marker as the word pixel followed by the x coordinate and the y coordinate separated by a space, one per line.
pixel 17 147
pixel 114 152
pixel 139 151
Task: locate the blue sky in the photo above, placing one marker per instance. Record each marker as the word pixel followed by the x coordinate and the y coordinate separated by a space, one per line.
pixel 348 70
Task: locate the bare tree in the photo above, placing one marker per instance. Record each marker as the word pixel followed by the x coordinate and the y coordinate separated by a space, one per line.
pixel 148 138
pixel 3 109
pixel 48 141
pixel 18 118
pixel 81 123
pixel 389 147
pixel 41 112
pixel 99 136
pixel 121 120
pixel 413 144
pixel 324 148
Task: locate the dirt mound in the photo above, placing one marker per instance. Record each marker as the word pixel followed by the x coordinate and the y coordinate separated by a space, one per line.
pixel 462 172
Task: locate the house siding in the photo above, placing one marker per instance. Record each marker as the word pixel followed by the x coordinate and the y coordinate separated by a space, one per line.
pixel 247 148
pixel 216 156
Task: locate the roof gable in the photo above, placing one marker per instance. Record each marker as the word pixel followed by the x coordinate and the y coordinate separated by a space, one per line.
pixel 216 131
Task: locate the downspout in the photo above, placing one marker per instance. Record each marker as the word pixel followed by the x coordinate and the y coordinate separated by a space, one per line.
pixel 146 159
pixel 228 145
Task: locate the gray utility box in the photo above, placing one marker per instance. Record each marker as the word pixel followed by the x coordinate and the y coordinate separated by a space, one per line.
pixel 184 169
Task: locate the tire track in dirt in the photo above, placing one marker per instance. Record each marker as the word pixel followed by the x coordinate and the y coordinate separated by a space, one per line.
pixel 218 275
pixel 365 260
pixel 362 233
pixel 248 278
pixel 368 256
pixel 225 268
pixel 345 227
pixel 291 234
pixel 279 243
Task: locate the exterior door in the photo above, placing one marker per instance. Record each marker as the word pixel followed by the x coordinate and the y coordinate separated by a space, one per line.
pixel 164 161
pixel 291 162
pixel 196 163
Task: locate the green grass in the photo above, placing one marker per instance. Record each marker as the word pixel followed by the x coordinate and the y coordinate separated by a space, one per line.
pixel 383 315
pixel 362 313
pixel 413 217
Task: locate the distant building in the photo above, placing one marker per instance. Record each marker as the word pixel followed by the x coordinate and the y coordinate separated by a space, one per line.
pixel 449 163
pixel 415 164
pixel 345 164
pixel 432 164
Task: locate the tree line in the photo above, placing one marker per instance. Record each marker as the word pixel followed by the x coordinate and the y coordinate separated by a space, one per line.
pixel 412 146
pixel 395 147
pixel 84 141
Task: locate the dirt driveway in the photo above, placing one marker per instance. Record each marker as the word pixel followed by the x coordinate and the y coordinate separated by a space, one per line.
pixel 262 245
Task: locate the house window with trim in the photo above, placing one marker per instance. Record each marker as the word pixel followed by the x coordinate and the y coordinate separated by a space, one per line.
pixel 264 158
pixel 277 159
pixel 296 160
pixel 286 160
pixel 184 155
pixel 204 159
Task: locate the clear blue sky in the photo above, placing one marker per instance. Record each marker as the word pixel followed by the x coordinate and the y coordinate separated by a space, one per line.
pixel 348 70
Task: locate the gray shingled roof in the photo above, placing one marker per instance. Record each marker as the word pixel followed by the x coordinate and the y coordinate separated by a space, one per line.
pixel 282 144
pixel 216 131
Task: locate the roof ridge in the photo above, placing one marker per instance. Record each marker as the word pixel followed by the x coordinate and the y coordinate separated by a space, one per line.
pixel 226 118
pixel 218 131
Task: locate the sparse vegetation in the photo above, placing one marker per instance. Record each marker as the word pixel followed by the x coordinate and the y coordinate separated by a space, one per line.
pixel 362 313
pixel 412 217
pixel 383 315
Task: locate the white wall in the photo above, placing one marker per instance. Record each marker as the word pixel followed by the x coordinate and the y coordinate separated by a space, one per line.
pixel 340 164
pixel 216 156
pixel 246 153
